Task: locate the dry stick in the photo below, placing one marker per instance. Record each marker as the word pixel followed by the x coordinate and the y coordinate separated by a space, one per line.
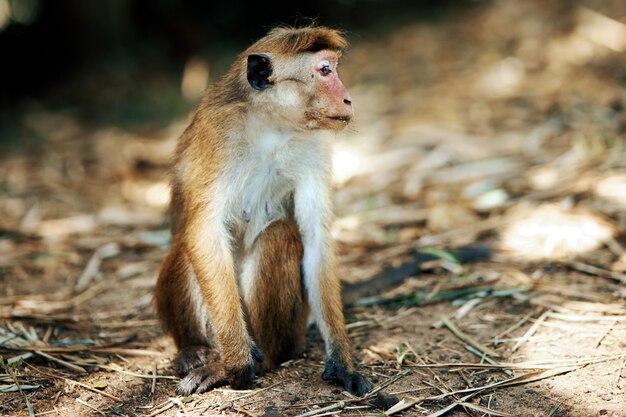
pixel 180 404
pixel 619 372
pixel 167 405
pixel 401 406
pixel 127 351
pixel 329 413
pixel 240 410
pixel 410 348
pixel 88 294
pixel 531 331
pixel 80 384
pixel 593 270
pixel 435 376
pixel 605 334
pixel 531 377
pixel 564 362
pixel 467 339
pixel 486 410
pixel 71 366
pixel 614 246
pixel 121 371
pixel 128 324
pixel 153 386
pixel 86 404
pixel 471 406
pixel 578 318
pixel 92 269
pixel 93 349
pixel 29 406
pixel 486 358
pixel 338 406
pixel 512 328
pixel 553 307
pixel 44 413
pixel 260 390
pixel 371 393
pixel 522 379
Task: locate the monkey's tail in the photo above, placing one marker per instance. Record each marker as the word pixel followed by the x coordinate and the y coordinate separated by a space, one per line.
pixel 393 276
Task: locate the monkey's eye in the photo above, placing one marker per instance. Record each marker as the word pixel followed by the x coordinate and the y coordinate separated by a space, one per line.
pixel 325 67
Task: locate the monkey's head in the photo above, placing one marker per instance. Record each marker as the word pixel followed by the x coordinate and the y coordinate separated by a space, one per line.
pixel 292 78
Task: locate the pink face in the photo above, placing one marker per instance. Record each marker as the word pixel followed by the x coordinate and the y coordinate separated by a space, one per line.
pixel 305 90
pixel 334 101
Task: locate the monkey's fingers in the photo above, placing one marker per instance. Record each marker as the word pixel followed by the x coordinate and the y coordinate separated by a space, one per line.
pixel 201 380
pixel 353 382
pixel 356 384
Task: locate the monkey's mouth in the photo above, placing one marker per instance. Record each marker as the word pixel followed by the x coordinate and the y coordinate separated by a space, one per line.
pixel 344 119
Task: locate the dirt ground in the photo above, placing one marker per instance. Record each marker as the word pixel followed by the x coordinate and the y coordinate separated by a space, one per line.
pixel 503 125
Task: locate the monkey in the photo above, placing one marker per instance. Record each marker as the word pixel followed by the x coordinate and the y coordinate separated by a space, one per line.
pixel 251 254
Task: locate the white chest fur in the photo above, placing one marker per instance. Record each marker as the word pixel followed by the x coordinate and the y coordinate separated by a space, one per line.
pixel 266 175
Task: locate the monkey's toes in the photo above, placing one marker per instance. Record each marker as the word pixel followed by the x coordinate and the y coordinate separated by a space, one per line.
pixel 201 380
pixel 356 384
pixel 353 382
pixel 193 357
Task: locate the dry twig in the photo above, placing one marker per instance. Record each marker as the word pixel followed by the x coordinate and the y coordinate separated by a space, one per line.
pixel 467 339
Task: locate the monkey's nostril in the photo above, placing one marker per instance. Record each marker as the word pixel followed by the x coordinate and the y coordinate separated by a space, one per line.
pixel 348 102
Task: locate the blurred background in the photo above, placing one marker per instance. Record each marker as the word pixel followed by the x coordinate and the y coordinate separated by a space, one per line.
pixel 495 122
pixel 123 61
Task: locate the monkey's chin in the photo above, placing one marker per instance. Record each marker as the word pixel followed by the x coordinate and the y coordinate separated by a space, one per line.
pixel 336 123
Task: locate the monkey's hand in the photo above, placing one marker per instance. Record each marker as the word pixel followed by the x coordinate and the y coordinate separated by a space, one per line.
pixel 241 376
pixel 352 381
pixel 212 375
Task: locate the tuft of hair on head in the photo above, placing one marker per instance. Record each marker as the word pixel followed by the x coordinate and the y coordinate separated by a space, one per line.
pixel 291 41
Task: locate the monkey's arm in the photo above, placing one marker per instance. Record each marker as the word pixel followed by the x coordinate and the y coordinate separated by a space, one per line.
pixel 208 247
pixel 322 284
pixel 393 276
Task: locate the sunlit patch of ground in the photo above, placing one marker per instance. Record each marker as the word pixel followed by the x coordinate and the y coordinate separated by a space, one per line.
pixel 554 232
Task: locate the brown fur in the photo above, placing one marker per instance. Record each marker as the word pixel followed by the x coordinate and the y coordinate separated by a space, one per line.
pixel 197 297
pixel 278 318
pixel 174 300
pixel 287 41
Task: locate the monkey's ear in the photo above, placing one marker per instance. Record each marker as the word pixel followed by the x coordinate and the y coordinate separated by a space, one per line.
pixel 259 71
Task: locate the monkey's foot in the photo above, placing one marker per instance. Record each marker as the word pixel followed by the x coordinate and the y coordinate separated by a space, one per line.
pixel 212 373
pixel 193 357
pixel 202 379
pixel 353 382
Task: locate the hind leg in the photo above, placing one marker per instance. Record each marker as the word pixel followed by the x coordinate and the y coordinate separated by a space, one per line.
pixel 272 288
